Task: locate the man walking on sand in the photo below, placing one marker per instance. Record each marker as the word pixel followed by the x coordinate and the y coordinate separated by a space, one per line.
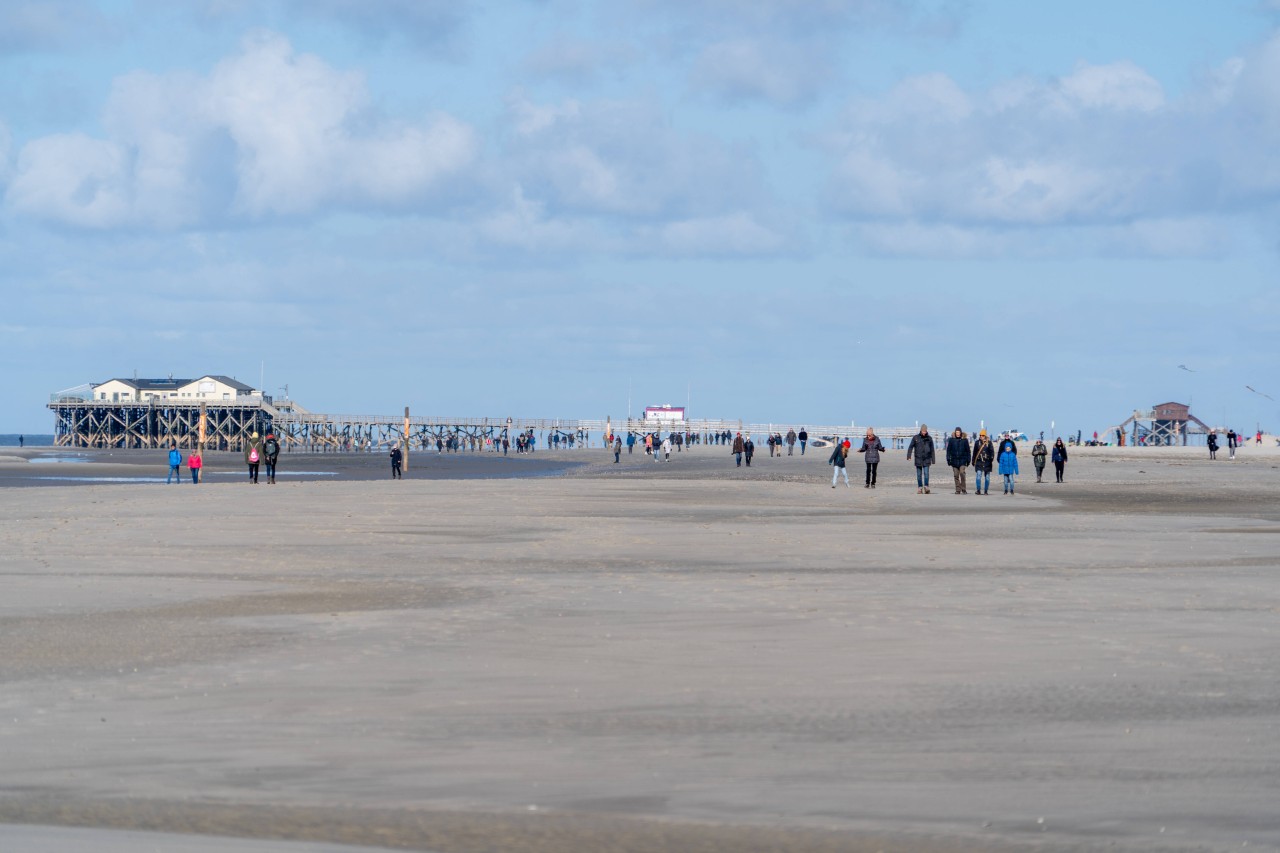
pixel 791 441
pixel 804 439
pixel 270 454
pixel 958 458
pixel 397 458
pixel 737 449
pixel 921 450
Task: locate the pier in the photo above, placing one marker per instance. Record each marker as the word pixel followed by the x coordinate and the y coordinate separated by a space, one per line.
pixel 80 421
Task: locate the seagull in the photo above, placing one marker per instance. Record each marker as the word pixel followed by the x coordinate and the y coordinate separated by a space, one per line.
pixel 1184 367
pixel 1259 393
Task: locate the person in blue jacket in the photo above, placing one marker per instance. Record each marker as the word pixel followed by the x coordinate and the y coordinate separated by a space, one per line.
pixel 1008 462
pixel 175 463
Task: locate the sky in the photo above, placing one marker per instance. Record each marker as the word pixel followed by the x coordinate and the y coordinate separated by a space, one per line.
pixel 819 211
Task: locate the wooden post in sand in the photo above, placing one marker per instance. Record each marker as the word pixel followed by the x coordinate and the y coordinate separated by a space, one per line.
pixel 204 425
pixel 405 438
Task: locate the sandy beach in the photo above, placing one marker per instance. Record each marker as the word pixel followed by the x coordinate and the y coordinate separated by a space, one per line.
pixel 555 653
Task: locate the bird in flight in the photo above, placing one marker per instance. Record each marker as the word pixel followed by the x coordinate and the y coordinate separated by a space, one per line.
pixel 1184 367
pixel 1259 393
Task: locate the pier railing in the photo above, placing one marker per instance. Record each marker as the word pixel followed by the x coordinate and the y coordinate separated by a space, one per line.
pixel 81 422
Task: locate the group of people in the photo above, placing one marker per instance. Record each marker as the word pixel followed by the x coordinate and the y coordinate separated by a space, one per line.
pixel 1233 441
pixel 982 455
pixel 776 441
pixel 258 451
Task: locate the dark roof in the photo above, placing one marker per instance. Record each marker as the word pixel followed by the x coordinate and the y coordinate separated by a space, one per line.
pixel 171 384
pixel 227 380
pixel 152 384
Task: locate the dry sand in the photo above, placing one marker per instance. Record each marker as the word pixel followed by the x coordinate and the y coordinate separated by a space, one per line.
pixel 648 657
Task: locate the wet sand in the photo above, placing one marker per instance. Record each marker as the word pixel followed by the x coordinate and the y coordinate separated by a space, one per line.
pixel 649 657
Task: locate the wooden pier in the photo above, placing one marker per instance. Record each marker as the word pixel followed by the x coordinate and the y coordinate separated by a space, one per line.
pixel 227 425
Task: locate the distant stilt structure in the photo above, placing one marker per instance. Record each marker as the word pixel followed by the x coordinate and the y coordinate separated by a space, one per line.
pixel 1163 425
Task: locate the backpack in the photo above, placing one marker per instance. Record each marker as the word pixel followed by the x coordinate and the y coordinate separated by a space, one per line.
pixel 253 454
pixel 271 447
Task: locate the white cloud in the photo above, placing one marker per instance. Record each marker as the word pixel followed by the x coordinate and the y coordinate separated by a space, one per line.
pixel 623 158
pixel 268 132
pixel 522 224
pixel 93 194
pixel 1099 153
pixel 785 73
pixel 1119 86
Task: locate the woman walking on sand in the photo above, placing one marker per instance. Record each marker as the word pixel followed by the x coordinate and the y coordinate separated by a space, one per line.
pixel 1008 464
pixel 1213 445
pixel 195 463
pixel 872 448
pixel 839 457
pixel 1038 454
pixel 984 456
pixel 253 456
pixel 1059 458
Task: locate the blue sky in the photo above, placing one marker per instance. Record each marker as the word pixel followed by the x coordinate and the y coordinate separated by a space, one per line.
pixel 872 210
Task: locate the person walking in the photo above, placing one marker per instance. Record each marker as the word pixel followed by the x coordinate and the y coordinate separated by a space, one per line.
pixel 175 463
pixel 984 457
pixel 253 456
pixel 270 453
pixel 804 439
pixel 397 459
pixel 666 449
pixel 871 449
pixel 195 462
pixel 1233 441
pixel 839 458
pixel 748 449
pixel 737 449
pixel 1038 453
pixel 617 450
pixel 1059 458
pixel 958 457
pixel 791 440
pixel 1008 463
pixel 922 451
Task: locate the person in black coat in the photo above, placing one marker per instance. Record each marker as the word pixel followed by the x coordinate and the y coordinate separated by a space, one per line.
pixel 984 457
pixel 958 457
pixel 922 451
pixel 1059 458
pixel 872 447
